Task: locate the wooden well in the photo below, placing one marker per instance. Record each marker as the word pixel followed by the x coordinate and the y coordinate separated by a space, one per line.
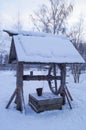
pixel 52 59
pixel 47 101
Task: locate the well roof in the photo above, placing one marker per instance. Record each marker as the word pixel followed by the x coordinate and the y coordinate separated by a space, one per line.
pixel 43 49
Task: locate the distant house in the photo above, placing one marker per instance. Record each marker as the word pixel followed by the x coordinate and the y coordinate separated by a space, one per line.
pixel 42 49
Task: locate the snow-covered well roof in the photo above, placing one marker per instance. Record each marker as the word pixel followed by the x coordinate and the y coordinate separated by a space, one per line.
pixel 44 49
pixel 27 33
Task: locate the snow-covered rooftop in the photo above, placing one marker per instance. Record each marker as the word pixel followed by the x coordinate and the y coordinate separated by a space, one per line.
pixel 48 49
pixel 27 33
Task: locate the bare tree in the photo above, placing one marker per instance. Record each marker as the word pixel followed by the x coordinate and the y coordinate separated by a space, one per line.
pixel 3 47
pixel 76 35
pixel 52 18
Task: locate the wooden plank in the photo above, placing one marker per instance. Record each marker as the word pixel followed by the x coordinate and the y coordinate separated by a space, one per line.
pixel 45 101
pixel 41 77
pixel 35 108
pixel 50 107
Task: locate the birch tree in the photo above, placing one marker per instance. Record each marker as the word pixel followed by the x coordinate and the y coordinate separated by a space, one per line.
pixel 52 18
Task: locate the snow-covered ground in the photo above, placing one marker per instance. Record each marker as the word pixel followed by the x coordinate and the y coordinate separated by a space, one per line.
pixel 65 119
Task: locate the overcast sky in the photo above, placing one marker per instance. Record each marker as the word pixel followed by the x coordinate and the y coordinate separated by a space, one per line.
pixel 9 9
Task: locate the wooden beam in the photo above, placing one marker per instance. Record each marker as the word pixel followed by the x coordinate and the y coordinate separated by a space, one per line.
pixel 50 69
pixel 19 84
pixel 12 97
pixel 41 77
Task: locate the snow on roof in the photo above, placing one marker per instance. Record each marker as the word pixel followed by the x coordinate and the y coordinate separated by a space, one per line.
pixel 48 49
pixel 27 33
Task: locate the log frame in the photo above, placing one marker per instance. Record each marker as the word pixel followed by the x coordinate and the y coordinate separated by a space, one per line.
pixel 63 91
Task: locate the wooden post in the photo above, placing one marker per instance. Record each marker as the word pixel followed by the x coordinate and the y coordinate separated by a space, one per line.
pixel 54 72
pixel 63 74
pixel 19 89
pixel 19 84
pixel 64 91
pixel 63 80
